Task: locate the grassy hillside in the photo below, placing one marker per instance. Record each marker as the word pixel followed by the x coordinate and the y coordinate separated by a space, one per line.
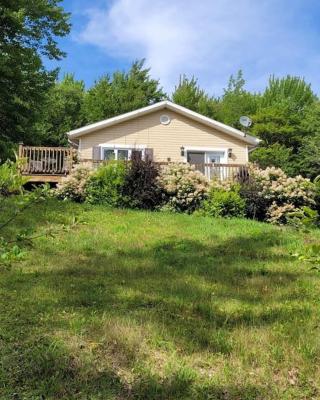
pixel 137 305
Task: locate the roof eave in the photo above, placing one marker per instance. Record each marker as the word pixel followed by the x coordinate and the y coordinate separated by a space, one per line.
pixel 171 106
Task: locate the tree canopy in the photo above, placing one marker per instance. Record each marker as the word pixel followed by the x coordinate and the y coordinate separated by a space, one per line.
pixel 62 111
pixel 37 108
pixel 28 33
pixel 188 94
pixel 123 92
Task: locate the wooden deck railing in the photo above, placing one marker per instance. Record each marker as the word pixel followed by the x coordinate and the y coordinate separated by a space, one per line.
pixel 58 161
pixel 221 172
pixel 45 160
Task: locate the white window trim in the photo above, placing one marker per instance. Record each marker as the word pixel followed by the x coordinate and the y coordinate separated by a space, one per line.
pixel 206 150
pixel 116 147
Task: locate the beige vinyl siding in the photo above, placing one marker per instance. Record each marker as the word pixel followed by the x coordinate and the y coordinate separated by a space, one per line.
pixel 165 140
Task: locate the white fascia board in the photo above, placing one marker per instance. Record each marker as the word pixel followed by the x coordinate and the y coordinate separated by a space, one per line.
pixel 115 120
pixel 170 106
pixel 214 124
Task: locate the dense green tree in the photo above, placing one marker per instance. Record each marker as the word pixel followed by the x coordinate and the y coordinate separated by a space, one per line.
pixel 281 121
pixel 61 111
pixel 236 101
pixel 291 90
pixel 309 156
pixel 277 124
pixel 308 162
pixel 123 92
pixel 27 35
pixel 188 94
pixel 276 155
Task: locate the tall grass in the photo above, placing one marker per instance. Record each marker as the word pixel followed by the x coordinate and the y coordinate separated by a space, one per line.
pixel 139 305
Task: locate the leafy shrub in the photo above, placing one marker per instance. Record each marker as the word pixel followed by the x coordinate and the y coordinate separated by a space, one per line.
pixel 317 189
pixel 73 187
pixel 11 250
pixel 295 216
pixel 140 188
pixel 11 180
pixel 184 188
pixel 105 185
pixel 276 186
pixel 223 203
pixel 310 255
pixel 256 205
pixel 270 194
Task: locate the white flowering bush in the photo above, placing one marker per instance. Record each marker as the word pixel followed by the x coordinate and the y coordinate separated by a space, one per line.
pixel 276 186
pixel 73 186
pixel 184 187
pixel 273 196
pixel 227 185
pixel 279 214
pixel 294 216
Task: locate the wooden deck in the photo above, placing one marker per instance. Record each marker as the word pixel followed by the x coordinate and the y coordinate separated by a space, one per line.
pixel 51 164
pixel 45 164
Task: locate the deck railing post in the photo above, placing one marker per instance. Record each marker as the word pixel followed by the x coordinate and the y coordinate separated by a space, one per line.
pixel 20 150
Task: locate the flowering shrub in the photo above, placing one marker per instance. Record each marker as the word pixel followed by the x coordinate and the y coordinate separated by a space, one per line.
pixel 294 216
pixel 184 188
pixel 73 187
pixel 225 185
pixel 272 196
pixel 275 186
pixel 279 214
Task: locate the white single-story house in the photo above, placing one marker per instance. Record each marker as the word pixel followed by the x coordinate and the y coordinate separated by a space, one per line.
pixel 164 132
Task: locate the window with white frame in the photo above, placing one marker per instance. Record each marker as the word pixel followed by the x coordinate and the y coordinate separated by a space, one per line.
pixel 119 153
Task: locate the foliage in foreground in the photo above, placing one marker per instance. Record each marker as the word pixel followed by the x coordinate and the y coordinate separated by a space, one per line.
pixel 14 202
pixel 11 181
pixel 267 195
pixel 139 305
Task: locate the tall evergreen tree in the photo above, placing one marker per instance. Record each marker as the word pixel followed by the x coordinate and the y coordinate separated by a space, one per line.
pixel 236 101
pixel 123 92
pixel 279 121
pixel 188 94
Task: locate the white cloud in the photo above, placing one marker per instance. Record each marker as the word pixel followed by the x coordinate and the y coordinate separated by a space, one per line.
pixel 207 38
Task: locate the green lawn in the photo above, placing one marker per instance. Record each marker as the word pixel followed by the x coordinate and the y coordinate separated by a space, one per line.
pixel 137 305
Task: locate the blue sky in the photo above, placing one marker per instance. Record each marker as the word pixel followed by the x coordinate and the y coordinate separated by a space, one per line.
pixel 210 39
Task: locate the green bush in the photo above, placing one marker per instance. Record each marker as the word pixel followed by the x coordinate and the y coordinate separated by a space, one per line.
pixel 141 188
pixel 105 185
pixel 11 180
pixel 317 190
pixel 222 203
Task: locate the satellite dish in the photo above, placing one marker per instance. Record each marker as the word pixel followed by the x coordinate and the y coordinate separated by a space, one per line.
pixel 245 121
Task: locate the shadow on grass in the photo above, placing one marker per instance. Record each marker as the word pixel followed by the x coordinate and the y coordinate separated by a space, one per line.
pixel 196 295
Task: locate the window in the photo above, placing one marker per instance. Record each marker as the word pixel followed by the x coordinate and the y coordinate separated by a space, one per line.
pixel 109 154
pixel 123 154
